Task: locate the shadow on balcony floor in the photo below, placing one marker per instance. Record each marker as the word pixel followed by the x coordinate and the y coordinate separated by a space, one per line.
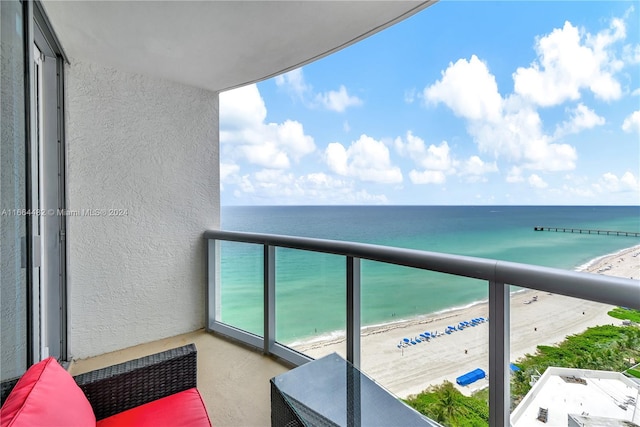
pixel 233 380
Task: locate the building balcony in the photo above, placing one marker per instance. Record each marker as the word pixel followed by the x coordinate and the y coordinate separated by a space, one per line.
pixel 235 366
pixel 113 127
pixel 232 379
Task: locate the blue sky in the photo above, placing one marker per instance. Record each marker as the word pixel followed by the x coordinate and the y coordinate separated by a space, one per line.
pixel 465 103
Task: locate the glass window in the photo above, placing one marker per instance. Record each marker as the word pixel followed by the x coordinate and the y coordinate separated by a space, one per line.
pixel 13 204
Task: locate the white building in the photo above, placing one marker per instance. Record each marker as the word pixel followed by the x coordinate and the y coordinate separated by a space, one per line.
pixel 579 397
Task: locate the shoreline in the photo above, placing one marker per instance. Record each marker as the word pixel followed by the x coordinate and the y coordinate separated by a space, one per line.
pixel 408 370
pixel 378 328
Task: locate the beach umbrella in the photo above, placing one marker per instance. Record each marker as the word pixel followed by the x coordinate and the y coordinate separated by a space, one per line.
pixel 406 340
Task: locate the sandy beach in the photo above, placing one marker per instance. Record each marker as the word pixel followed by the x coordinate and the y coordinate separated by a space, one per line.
pixel 536 318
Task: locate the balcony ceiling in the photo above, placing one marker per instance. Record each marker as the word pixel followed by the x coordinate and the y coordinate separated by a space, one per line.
pixel 217 45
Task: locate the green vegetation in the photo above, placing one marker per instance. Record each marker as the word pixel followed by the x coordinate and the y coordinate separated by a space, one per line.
pixel 445 404
pixel 625 314
pixel 608 348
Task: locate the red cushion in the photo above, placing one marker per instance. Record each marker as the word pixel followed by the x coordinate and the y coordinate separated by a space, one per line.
pixel 181 409
pixel 46 395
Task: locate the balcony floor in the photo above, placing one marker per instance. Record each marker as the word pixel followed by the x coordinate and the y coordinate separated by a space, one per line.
pixel 233 380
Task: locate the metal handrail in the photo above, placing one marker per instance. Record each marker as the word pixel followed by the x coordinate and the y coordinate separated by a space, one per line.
pixel 499 274
pixel 588 286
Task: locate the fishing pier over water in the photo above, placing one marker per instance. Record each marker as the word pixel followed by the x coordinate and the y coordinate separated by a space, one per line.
pixel 587 231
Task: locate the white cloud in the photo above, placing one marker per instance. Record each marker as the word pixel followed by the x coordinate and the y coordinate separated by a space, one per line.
pixel 632 122
pixel 518 137
pixel 314 188
pixel 432 157
pixel 582 117
pixel 550 157
pixel 636 92
pixel 437 157
pixel 245 185
pixel 510 128
pixel 515 175
pixel 629 181
pixel 294 82
pixel 266 154
pixel 582 192
pixel 427 177
pixel 475 169
pixel 610 182
pixel 338 100
pixel 570 60
pixel 333 100
pixel 227 170
pixel 241 108
pixel 228 173
pixel 366 159
pixel 337 158
pixel 245 135
pixel 468 89
pixel 507 128
pixel 537 182
pixel 435 160
pixel 631 54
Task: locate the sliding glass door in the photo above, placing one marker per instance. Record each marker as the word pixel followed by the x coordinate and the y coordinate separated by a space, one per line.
pixel 32 190
pixel 14 292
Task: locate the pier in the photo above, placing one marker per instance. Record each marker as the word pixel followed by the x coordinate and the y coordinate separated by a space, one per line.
pixel 587 231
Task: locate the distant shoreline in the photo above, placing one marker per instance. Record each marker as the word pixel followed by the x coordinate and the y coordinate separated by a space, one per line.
pixel 409 370
pixel 339 335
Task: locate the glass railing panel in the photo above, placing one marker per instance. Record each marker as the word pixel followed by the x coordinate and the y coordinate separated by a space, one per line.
pixel 311 301
pixel 422 329
pixel 577 353
pixel 241 286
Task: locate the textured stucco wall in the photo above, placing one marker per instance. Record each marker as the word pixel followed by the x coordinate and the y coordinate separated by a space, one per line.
pixel 149 147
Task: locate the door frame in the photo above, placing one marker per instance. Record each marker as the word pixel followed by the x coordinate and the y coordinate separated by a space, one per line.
pixel 47 325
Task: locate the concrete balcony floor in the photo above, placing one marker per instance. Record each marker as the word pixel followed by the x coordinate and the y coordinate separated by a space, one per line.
pixel 233 380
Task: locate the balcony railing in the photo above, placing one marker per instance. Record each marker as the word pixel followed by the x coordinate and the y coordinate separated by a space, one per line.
pixel 499 275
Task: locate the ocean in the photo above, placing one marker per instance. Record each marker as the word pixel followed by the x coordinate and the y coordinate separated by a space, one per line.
pixel 310 287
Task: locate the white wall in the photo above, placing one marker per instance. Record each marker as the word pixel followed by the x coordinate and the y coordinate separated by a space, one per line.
pixel 150 147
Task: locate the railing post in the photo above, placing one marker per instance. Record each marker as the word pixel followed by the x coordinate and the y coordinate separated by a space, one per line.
pixel 213 282
pixel 353 311
pixel 499 353
pixel 269 298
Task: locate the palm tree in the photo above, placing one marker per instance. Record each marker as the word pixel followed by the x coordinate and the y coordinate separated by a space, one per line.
pixel 447 408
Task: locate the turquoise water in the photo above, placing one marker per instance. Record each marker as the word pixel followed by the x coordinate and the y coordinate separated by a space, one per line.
pixel 310 295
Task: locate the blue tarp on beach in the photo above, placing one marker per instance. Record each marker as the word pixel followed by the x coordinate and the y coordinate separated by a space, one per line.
pixel 471 377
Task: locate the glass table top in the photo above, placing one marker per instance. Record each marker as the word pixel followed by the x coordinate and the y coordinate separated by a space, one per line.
pixel 331 392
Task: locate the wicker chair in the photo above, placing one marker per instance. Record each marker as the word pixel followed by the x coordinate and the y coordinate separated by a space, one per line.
pixel 124 386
